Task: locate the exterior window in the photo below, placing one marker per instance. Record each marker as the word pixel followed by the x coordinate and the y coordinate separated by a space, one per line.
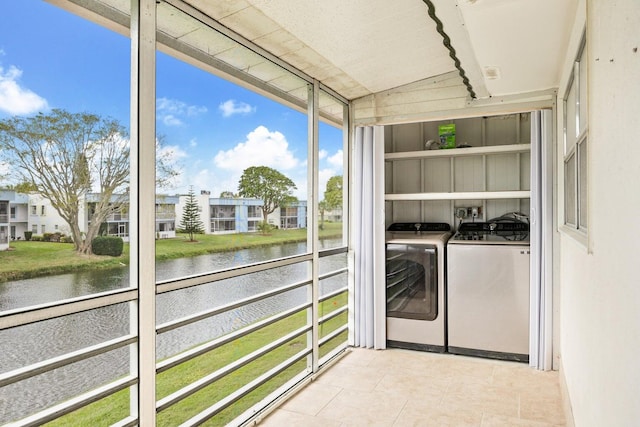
pixel 13 212
pixel 56 227
pixel 34 210
pixel 43 229
pixel 253 212
pixel 576 146
pixel 42 210
pixel 34 229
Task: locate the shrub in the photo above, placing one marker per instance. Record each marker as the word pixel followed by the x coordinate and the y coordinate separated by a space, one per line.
pixel 46 237
pixel 27 235
pixel 107 245
pixel 36 238
pixel 66 239
pixel 265 227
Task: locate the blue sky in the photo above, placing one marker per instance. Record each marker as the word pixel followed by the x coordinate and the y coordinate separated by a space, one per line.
pixel 213 129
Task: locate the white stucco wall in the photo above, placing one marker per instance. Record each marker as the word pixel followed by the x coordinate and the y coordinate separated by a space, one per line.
pixel 600 285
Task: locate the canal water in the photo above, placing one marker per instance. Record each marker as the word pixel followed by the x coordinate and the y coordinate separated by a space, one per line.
pixel 40 341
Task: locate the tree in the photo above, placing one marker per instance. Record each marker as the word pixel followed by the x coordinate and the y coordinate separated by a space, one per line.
pixel 269 185
pixel 227 195
pixel 333 193
pixel 66 155
pixel 190 222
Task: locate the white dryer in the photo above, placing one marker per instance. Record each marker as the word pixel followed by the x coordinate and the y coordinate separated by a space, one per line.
pixel 415 285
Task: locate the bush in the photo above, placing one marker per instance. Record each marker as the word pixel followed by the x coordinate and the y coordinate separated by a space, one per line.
pixel 66 239
pixel 107 245
pixel 46 237
pixel 265 227
pixel 27 235
pixel 36 238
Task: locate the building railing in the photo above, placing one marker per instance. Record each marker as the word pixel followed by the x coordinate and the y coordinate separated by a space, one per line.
pixel 4 218
pixel 30 315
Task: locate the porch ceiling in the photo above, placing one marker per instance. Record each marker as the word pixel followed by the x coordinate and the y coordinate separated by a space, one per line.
pixel 360 47
pixel 363 47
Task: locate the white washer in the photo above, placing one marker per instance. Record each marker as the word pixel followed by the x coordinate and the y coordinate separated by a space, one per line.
pixel 415 285
pixel 488 291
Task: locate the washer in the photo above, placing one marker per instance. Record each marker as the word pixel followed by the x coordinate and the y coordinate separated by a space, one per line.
pixel 415 285
pixel 488 290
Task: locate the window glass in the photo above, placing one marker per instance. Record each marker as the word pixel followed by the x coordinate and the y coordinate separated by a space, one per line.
pixel 73 72
pixel 575 149
pixel 583 92
pixel 570 190
pixel 241 199
pixel 570 117
pixel 582 183
pixel 331 172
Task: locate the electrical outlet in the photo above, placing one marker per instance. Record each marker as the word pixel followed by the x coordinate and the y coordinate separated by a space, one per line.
pixel 461 213
pixel 474 212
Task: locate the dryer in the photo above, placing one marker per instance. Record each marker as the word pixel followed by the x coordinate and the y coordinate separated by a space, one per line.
pixel 415 285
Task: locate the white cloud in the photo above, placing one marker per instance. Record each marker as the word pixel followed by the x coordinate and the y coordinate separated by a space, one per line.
pixel 322 154
pixel 337 160
pixel 15 99
pixel 171 152
pixel 171 111
pixel 171 120
pixel 231 107
pixel 193 143
pixel 262 148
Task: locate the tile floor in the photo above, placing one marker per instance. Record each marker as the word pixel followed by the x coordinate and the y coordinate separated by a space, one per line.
pixel 409 388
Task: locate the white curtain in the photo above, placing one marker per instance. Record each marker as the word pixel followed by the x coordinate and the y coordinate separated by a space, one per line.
pixel 368 317
pixel 541 329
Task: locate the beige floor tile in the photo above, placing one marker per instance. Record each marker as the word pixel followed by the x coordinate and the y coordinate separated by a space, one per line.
pixel 484 398
pixel 526 379
pixel 354 407
pixel 284 418
pixel 359 357
pixel 397 388
pixel 410 362
pixel 406 385
pixel 542 408
pixel 489 420
pixel 312 398
pixel 420 413
pixel 352 377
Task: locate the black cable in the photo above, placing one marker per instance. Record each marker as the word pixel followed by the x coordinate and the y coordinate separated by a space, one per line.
pixel 447 43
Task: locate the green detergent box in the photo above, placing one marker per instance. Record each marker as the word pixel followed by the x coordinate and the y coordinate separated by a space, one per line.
pixel 447 135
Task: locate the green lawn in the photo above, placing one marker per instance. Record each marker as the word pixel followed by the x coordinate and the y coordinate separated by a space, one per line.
pixel 32 259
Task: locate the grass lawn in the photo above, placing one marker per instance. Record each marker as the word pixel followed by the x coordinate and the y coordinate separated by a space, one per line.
pixel 33 259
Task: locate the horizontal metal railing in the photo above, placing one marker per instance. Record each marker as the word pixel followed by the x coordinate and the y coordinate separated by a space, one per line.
pixel 28 315
pixel 201 279
pixel 243 391
pixel 205 381
pixel 174 324
pixel 64 360
pixel 211 345
pixel 78 402
pixel 52 310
